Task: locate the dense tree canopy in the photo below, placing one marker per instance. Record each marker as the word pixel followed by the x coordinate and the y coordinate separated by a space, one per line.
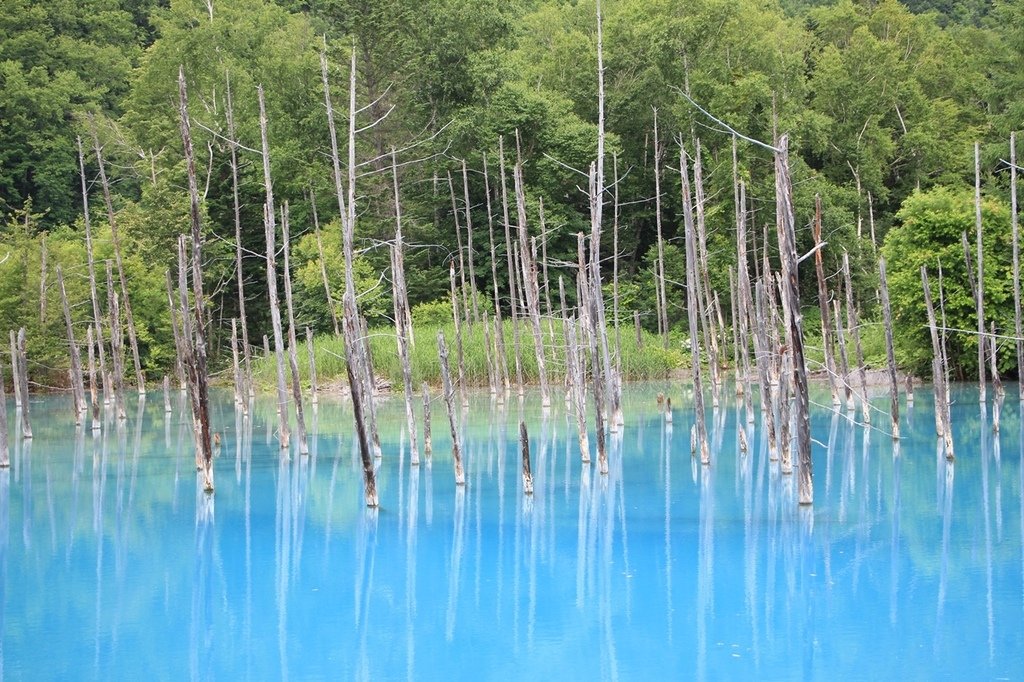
pixel 882 101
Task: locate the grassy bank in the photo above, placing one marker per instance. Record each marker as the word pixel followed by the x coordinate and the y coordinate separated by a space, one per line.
pixel 649 361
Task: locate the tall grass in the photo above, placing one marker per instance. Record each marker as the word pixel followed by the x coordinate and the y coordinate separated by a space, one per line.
pixel 650 361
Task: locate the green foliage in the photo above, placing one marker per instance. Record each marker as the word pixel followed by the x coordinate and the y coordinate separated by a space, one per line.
pixel 929 234
pixel 648 361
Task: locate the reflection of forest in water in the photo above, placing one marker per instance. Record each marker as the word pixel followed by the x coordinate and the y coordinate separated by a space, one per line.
pixel 115 558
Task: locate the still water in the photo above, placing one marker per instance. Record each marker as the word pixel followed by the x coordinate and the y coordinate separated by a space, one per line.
pixel 116 566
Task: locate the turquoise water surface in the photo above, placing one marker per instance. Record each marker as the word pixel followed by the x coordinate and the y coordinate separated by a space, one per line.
pixel 115 565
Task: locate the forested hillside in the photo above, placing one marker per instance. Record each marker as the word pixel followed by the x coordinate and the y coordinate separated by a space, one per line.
pixel 882 102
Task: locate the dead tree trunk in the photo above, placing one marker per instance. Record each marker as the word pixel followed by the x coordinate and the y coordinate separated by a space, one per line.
pixel 176 330
pixel 844 365
pixel 499 327
pixel 314 388
pixel 116 343
pixel 93 393
pixel 26 421
pixel 235 366
pixel 704 294
pixel 577 388
pixel 132 340
pixel 660 276
pixel 15 372
pixel 428 446
pixel 449 402
pixel 795 334
pixel 270 231
pixel 97 324
pixel 513 301
pixel 469 245
pixel 531 289
pixel 293 358
pixel 458 335
pixel 939 370
pixel 464 290
pixel 692 309
pixel 350 324
pixel 43 270
pixel 1015 229
pixel 826 324
pixel 854 326
pixel 401 317
pixel 239 274
pixel 199 299
pixel 77 385
pixel 890 353
pixel 762 355
pixel 5 458
pixel 979 291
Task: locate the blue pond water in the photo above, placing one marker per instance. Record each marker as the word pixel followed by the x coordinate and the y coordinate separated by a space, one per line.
pixel 115 566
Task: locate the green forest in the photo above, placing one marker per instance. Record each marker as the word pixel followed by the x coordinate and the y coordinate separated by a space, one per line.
pixel 883 103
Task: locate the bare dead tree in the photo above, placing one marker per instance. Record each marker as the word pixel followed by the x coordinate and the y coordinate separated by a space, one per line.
pixel 111 219
pixel 200 394
pixel 270 231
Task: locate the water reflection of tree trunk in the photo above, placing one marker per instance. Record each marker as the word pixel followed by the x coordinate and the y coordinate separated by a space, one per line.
pixel 201 630
pixel 455 561
pixel 411 529
pixel 705 567
pixel 366 552
pixel 986 453
pixel 282 551
pixel 5 534
pixel 947 520
pixel 666 456
pixel 894 547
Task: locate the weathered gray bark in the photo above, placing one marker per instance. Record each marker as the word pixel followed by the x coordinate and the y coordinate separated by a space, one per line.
pixel 5 458
pixel 314 388
pixel 979 290
pixel 428 446
pixel 129 319
pixel 270 231
pixel 939 372
pixel 853 325
pixel 662 308
pixel 77 385
pixel 577 389
pixel 93 393
pixel 293 358
pixel 43 271
pixel 449 402
pixel 826 325
pixel 402 326
pixel 464 289
pixel 1015 229
pixel 239 275
pixel 116 343
pixel 513 302
pixel 531 288
pixel 97 319
pixel 692 309
pixel 890 353
pixel 358 381
pixel 469 244
pixel 499 327
pixel 26 421
pixel 200 392
pixel 15 372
